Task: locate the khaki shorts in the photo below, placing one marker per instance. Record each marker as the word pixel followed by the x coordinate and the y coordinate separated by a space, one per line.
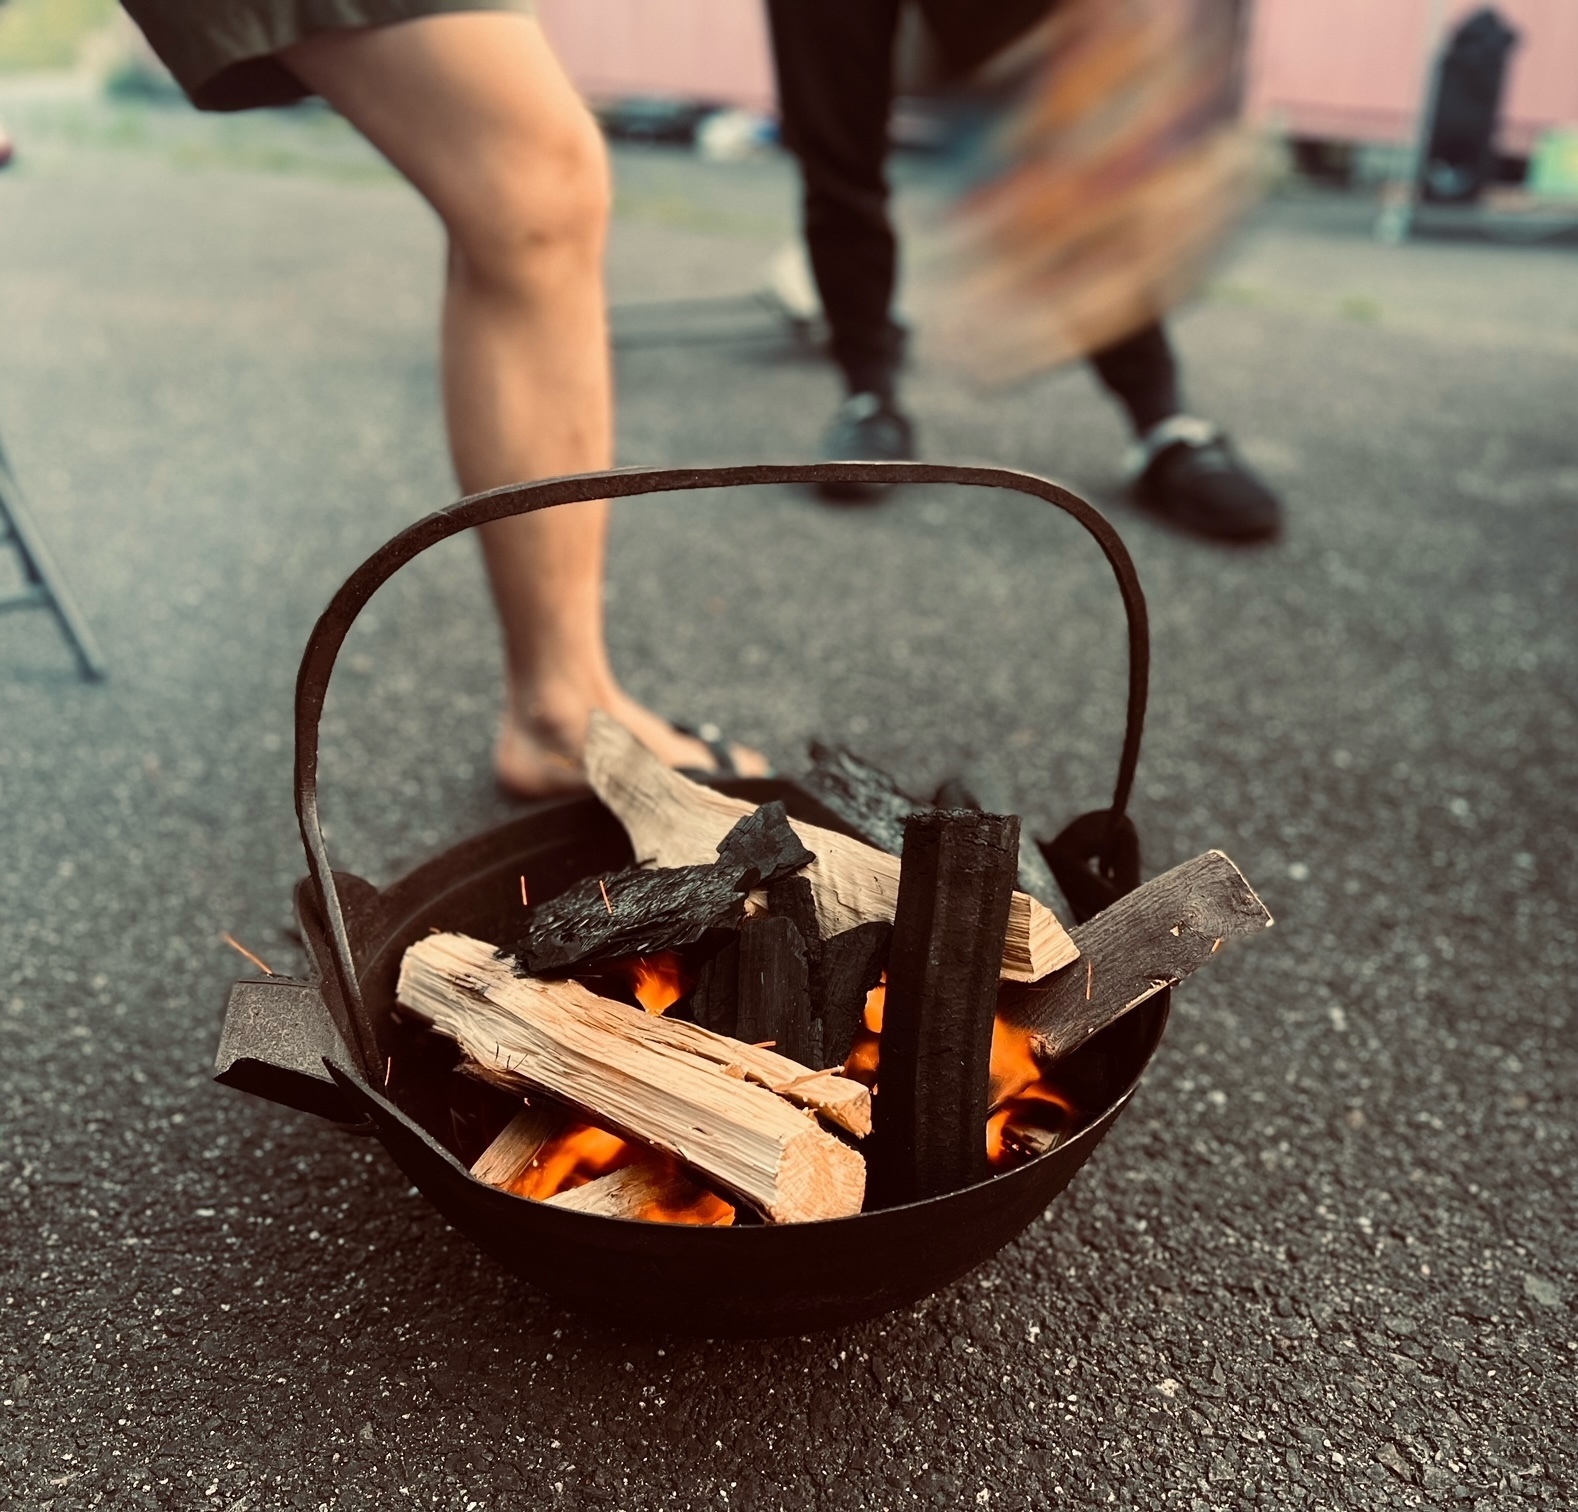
pixel 222 51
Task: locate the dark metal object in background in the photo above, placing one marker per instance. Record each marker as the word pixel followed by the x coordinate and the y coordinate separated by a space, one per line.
pixel 381 1071
pixel 1460 152
pixel 45 588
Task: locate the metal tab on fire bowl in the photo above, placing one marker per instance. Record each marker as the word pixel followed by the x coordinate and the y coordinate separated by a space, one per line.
pixel 630 1103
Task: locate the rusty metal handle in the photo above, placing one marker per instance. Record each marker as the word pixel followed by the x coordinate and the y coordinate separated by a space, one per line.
pixel 328 635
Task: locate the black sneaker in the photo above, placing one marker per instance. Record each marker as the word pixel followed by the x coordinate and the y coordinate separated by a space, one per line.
pixel 1186 471
pixel 866 428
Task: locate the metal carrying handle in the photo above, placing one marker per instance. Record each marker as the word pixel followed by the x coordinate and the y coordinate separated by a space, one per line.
pixel 328 635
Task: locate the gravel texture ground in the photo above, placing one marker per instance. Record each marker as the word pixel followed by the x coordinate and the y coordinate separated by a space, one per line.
pixel 1327 1259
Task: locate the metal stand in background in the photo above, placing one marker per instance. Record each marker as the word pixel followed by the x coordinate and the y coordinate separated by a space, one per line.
pixel 44 587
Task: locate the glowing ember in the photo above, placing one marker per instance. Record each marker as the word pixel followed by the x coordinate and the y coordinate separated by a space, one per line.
pixel 1028 1114
pixel 1027 1111
pixel 577 1154
pixel 705 1210
pixel 863 1054
pixel 658 981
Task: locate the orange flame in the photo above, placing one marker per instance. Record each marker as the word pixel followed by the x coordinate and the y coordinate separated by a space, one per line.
pixel 1028 1114
pixel 704 1210
pixel 867 1049
pixel 578 1153
pixel 658 981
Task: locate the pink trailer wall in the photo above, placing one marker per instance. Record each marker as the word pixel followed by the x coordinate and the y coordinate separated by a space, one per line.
pixel 1355 70
pixel 688 49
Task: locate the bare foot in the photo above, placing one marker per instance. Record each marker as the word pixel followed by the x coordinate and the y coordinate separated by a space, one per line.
pixel 540 756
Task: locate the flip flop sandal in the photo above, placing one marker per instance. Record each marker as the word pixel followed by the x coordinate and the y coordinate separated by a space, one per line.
pixel 722 752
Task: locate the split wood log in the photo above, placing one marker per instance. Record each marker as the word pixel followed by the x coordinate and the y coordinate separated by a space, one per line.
pixel 1150 939
pixel 633 1191
pixel 851 964
pixel 510 1155
pixel 711 1102
pixel 673 821
pixel 775 991
pixel 930 1136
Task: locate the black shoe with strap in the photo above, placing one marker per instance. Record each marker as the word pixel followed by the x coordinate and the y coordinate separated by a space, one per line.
pixel 1186 472
pixel 867 427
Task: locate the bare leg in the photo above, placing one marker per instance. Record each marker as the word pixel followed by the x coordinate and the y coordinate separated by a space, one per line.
pixel 475 111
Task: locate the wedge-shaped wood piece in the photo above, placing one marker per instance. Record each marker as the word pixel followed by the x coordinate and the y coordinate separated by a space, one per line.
pixel 775 990
pixel 851 964
pixel 711 1102
pixel 510 1155
pixel 634 1191
pixel 1150 939
pixel 673 821
pixel 959 870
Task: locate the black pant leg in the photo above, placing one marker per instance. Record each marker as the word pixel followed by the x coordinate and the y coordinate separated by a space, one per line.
pixel 1142 374
pixel 834 60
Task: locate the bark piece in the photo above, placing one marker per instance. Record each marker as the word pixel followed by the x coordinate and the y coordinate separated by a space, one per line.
pixel 763 848
pixel 631 912
pixel 1150 939
pixel 851 964
pixel 673 821
pixel 711 1102
pixel 510 1155
pixel 634 1190
pixel 958 878
pixel 775 990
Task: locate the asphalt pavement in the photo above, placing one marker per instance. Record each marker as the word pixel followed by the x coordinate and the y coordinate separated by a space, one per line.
pixel 1327 1259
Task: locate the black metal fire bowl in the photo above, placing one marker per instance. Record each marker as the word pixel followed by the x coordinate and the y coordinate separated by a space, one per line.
pixel 334 1045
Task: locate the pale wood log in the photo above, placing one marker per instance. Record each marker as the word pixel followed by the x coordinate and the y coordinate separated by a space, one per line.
pixel 630 1192
pixel 702 1098
pixel 1150 939
pixel 510 1155
pixel 673 821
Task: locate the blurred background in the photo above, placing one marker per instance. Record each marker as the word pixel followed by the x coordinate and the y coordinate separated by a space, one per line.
pixel 1333 1245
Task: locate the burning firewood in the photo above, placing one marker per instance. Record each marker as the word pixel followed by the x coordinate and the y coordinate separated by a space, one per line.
pixel 849 966
pixel 1146 941
pixel 514 1149
pixel 673 821
pixel 712 1103
pixel 958 875
pixel 648 1191
pixel 636 912
pixel 775 991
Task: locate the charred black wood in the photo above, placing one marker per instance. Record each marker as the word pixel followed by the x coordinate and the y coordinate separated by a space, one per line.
pixel 632 912
pixel 943 968
pixel 793 898
pixel 980 789
pixel 1142 944
pixel 775 991
pixel 762 848
pixel 863 796
pixel 714 1002
pixel 850 965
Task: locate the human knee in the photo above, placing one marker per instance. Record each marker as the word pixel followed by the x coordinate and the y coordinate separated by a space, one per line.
pixel 541 212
